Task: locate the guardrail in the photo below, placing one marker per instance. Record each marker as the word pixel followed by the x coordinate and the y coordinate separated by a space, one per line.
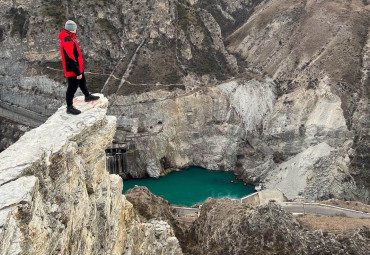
pixel 294 208
pixel 323 209
pixel 248 196
pixel 311 208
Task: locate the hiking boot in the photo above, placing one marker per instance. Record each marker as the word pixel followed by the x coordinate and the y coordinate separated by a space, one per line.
pixel 72 110
pixel 91 98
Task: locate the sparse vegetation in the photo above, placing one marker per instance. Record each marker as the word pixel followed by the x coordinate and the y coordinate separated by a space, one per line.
pixel 96 82
pixel 141 74
pixel 332 224
pixel 19 19
pixel 205 59
pixel 186 16
pixel 172 78
pixel 108 28
pixel 56 10
pixel 208 61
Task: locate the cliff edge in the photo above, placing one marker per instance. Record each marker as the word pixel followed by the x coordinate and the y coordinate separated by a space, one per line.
pixel 56 196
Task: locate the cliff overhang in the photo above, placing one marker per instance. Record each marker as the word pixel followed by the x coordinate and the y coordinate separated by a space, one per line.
pixel 57 197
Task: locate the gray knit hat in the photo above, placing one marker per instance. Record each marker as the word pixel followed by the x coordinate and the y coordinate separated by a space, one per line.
pixel 70 25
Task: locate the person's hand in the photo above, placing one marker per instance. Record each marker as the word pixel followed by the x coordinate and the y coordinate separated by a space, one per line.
pixel 79 77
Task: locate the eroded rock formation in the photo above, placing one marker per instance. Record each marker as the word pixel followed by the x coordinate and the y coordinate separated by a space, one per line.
pixel 151 207
pixel 56 196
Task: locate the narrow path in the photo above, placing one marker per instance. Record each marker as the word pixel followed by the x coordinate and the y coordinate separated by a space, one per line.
pixel 365 62
pixel 172 97
pixel 128 69
pixel 21 115
pixel 323 209
pixel 111 75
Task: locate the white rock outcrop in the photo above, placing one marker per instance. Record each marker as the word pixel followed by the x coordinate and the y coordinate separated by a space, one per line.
pixel 56 196
pixel 307 134
pixel 291 177
pixel 251 99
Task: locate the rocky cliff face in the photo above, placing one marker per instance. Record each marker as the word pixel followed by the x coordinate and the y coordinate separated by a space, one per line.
pixel 150 207
pixel 318 54
pixel 125 45
pixel 273 90
pixel 196 128
pixel 230 15
pixel 56 196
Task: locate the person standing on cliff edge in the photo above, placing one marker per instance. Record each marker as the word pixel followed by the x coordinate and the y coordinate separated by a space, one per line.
pixel 73 66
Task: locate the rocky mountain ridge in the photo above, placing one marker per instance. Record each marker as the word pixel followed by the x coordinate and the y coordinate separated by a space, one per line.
pixel 311 45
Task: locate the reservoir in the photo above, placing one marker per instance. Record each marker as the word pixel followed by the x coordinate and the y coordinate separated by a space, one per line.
pixel 193 185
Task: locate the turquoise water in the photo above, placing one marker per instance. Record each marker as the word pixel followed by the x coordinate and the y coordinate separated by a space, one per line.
pixel 193 185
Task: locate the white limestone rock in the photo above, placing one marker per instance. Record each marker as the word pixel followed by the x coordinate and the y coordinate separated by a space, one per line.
pixel 291 177
pixel 251 100
pixel 56 196
pixel 199 128
pixel 20 191
pixel 156 237
pixel 50 137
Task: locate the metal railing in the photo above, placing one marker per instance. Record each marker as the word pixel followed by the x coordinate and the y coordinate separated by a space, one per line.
pixel 248 196
pixel 323 209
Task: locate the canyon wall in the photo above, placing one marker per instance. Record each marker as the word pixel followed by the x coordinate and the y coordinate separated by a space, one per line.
pixel 275 91
pixel 317 52
pixel 196 128
pixel 298 143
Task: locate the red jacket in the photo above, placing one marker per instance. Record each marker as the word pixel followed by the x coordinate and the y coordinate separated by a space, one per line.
pixel 71 54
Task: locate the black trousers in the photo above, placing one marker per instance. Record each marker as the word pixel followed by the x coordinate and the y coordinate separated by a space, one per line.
pixel 73 84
